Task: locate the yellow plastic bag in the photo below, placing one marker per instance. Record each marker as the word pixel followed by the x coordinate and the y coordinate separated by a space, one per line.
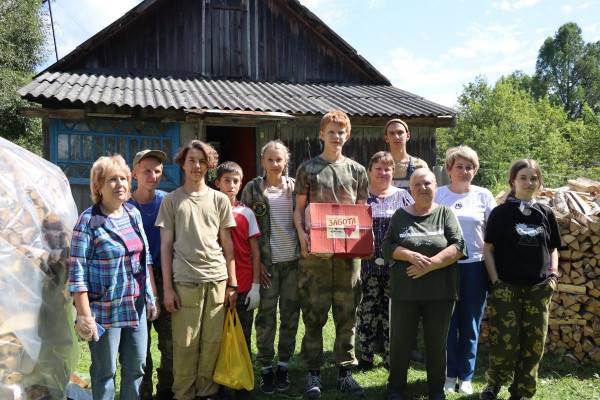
pixel 234 367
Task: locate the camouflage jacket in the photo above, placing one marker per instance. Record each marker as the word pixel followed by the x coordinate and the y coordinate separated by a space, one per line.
pixel 343 182
pixel 254 197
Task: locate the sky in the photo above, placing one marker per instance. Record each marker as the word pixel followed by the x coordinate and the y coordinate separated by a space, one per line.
pixel 430 48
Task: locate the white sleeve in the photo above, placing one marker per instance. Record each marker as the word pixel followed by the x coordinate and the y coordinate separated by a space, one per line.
pixel 490 203
pixel 253 229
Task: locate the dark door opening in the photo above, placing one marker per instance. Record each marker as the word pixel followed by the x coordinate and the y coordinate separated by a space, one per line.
pixel 235 144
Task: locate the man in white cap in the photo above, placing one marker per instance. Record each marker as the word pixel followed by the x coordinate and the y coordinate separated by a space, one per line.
pixel 147 171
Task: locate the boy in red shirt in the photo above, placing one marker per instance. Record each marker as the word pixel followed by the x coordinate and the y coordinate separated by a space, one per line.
pixel 247 254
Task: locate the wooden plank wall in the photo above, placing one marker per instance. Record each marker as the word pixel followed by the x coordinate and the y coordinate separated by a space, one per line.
pixel 302 139
pixel 303 142
pixel 237 39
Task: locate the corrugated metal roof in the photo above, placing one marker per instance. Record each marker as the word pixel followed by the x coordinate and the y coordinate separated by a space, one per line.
pixel 174 93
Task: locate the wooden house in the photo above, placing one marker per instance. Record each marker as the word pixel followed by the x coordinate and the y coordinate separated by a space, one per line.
pixel 236 73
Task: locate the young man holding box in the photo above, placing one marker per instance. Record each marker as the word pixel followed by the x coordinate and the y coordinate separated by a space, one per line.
pixel 325 283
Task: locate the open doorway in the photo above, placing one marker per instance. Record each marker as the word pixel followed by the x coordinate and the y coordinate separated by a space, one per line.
pixel 235 144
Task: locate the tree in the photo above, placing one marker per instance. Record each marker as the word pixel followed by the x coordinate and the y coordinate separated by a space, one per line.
pixel 531 84
pixel 570 69
pixel 585 138
pixel 505 123
pixel 22 39
pixel 590 66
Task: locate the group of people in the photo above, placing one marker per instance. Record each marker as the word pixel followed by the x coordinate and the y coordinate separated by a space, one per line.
pixel 181 260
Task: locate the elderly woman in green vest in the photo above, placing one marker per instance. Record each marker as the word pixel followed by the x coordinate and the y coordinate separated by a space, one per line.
pixel 422 246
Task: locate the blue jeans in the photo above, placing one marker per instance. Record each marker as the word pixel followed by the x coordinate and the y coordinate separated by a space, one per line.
pixel 131 344
pixel 466 320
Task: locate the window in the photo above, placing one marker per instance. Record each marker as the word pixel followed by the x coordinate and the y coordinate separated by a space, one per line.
pixel 75 145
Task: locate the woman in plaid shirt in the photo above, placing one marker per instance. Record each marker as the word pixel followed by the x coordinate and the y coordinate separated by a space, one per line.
pixel 109 276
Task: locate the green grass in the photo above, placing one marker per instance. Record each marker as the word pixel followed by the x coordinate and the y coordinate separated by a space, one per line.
pixel 558 379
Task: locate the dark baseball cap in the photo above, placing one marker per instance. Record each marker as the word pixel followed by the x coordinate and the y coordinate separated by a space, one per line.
pixel 159 155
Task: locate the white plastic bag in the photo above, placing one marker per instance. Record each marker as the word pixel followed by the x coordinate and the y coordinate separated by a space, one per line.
pixel 38 348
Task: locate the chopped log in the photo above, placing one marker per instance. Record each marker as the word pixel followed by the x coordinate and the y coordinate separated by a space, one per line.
pixel 580 205
pixel 574 227
pixel 589 285
pixel 587 345
pixel 574 308
pixel 577 255
pixel 571 289
pixel 566 329
pixel 565 254
pixel 560 204
pixel 568 238
pixel 584 185
pixel 584 246
pixel 593 307
pixel 568 300
pixel 591 274
pixel 594 354
pixel 595 226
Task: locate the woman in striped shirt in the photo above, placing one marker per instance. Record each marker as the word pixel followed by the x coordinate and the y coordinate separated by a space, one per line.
pixel 384 199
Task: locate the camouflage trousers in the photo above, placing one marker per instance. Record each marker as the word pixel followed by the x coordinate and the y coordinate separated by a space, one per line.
pixel 283 291
pixel 323 284
pixel 518 323
pixel 164 372
pixel 372 311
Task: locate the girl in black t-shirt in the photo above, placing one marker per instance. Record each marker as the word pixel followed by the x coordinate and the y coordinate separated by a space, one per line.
pixel 521 258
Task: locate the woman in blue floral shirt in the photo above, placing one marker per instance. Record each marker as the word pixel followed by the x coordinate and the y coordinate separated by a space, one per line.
pixel 111 282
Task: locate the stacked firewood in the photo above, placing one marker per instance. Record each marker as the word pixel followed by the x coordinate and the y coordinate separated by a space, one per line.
pixel 574 327
pixel 575 308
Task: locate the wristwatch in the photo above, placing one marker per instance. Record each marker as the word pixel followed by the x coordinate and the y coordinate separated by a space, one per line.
pixel 234 287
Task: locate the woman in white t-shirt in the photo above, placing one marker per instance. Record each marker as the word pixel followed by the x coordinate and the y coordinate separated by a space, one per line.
pixel 472 205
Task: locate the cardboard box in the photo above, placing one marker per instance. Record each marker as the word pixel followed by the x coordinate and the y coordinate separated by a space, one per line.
pixel 340 230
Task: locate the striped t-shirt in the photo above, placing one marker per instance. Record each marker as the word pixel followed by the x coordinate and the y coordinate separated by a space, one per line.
pixel 283 237
pixel 382 209
pixel 134 246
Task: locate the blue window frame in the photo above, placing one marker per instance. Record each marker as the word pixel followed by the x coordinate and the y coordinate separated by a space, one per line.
pixel 75 145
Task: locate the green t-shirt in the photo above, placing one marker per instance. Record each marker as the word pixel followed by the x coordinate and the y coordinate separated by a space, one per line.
pixel 427 235
pixel 343 182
